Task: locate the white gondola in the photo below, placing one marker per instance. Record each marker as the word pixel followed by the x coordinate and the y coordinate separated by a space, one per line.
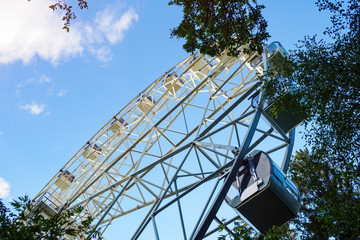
pixel 64 180
pixel 276 53
pixel 172 83
pixel 46 210
pixel 227 60
pixel 145 104
pixel 118 126
pixel 201 68
pixel 255 62
pixel 47 204
pixel 92 151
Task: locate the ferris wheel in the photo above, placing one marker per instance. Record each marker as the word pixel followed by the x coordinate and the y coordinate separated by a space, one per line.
pixel 167 161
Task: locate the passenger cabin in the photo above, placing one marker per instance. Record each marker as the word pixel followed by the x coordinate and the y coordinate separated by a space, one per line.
pixel 145 104
pixel 255 62
pixel 64 180
pixel 275 53
pixel 47 205
pixel 225 59
pixel 172 83
pixel 285 120
pixel 201 68
pixel 118 126
pixel 46 210
pixel 263 194
pixel 92 151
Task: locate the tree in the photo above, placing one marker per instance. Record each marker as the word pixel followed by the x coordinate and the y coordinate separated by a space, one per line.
pixel 243 231
pixel 214 26
pixel 69 14
pixel 27 223
pixel 330 198
pixel 327 78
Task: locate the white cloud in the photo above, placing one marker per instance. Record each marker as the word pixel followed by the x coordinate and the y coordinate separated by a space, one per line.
pixel 61 93
pixel 30 29
pixel 108 28
pixel 21 86
pixel 44 79
pixel 30 80
pixel 102 53
pixel 50 90
pixel 112 25
pixel 1 133
pixel 4 188
pixel 34 108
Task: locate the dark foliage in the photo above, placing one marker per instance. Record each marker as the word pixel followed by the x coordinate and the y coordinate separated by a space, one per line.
pixel 327 80
pixel 330 197
pixel 27 223
pixel 213 26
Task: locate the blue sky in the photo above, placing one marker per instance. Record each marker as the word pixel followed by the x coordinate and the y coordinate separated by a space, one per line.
pixel 58 88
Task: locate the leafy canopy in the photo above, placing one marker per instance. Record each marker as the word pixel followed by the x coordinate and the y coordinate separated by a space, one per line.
pixel 213 26
pixel 27 223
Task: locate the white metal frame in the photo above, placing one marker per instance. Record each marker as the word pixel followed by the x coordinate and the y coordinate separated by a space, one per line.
pixel 169 148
